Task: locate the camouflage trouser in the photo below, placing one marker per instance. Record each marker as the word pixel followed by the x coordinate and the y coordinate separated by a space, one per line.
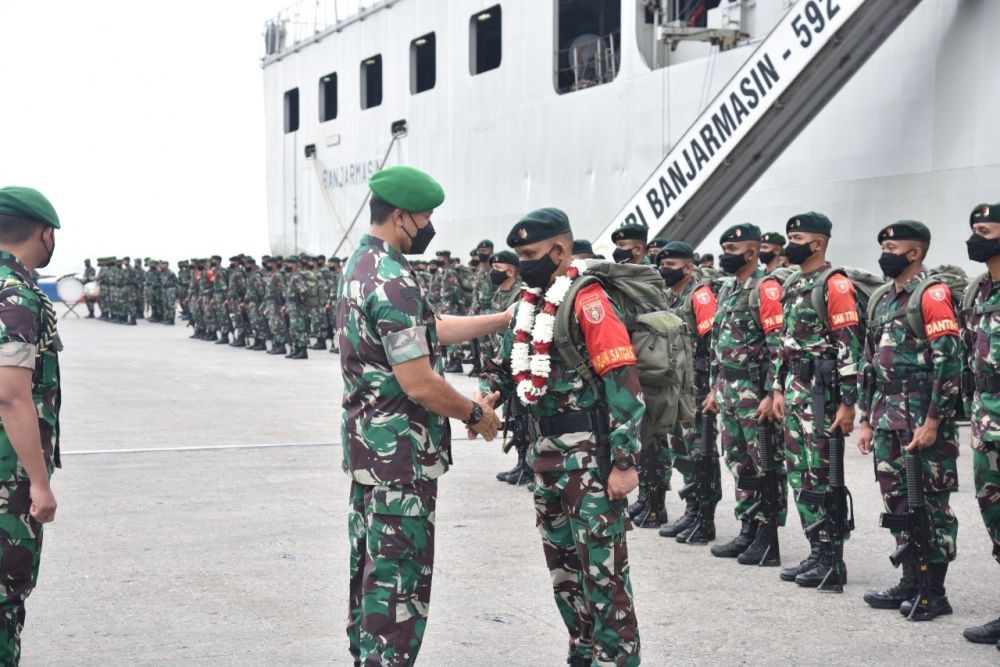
pixel 583 536
pixel 986 474
pixel 131 301
pixel 738 429
pixel 223 322
pixel 194 308
pixel 940 472
pixel 317 323
pixel 208 313
pixel 391 530
pixel 807 459
pixel 298 325
pixel 276 323
pixel 20 555
pixel 258 321
pixel 168 303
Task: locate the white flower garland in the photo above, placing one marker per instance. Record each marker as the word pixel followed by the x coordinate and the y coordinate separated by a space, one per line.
pixel 532 364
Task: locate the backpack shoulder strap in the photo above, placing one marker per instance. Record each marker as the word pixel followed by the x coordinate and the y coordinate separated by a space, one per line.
pixel 914 309
pixel 972 293
pixel 876 298
pixel 562 336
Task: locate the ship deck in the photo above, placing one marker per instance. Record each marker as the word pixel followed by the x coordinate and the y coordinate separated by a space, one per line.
pixel 202 520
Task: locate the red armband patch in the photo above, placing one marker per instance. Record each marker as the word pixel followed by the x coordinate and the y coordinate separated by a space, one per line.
pixel 939 312
pixel 704 303
pixel 772 317
pixel 607 340
pixel 841 306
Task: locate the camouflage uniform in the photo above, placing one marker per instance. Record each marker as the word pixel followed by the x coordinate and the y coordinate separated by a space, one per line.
pixel 255 304
pixel 235 295
pixel 982 339
pixel 275 302
pixel 482 300
pixel 184 288
pixel 298 323
pixel 583 531
pixel 138 293
pixel 449 301
pixel 89 276
pixel 208 310
pixel 151 293
pixel 168 295
pixel 328 286
pixel 133 281
pixel 394 451
pixel 220 300
pixel 28 339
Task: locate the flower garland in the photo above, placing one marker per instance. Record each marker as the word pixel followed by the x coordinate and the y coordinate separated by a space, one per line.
pixel 533 329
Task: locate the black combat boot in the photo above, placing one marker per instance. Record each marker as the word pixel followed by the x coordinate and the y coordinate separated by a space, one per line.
pixel 702 531
pixel 933 602
pixel 892 598
pixel 239 341
pixel 223 339
pixel 761 552
pixel 320 344
pixel 477 369
pixel 210 336
pixel 656 509
pixel 277 349
pixel 502 475
pixel 988 633
pixel 738 544
pixel 578 661
pixel 130 321
pixel 333 347
pixel 687 519
pixel 639 506
pixel 818 573
pixel 299 353
pixel 259 345
pixel 454 365
pixel 789 573
pixel 522 475
pixel 198 333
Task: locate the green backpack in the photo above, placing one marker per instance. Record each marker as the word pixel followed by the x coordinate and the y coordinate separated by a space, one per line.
pixel 664 356
pixel 313 296
pixel 865 285
pixel 952 276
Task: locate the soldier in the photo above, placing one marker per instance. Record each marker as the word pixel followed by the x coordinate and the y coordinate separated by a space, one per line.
pixel 582 249
pixel 655 465
pixel 815 381
pixel 910 391
pixel 220 299
pixel 393 383
pixel 449 302
pixel 327 284
pixel 275 306
pixel 194 300
pixel 183 287
pixel 139 284
pixel 294 309
pixel 582 478
pixel 746 341
pixel 482 302
pixel 89 276
pixel 235 295
pixel 694 302
pixel 654 247
pixel 132 280
pixel 104 290
pixel 154 291
pixel 313 299
pixel 772 255
pixel 331 304
pixel 981 305
pixel 167 298
pixel 29 402
pixel 206 291
pixel 253 303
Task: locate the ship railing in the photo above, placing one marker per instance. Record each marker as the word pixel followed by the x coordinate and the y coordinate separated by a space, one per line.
pixel 304 19
pixel 590 62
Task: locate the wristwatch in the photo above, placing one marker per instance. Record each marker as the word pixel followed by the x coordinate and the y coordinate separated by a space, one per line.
pixel 476 416
pixel 848 400
pixel 623 464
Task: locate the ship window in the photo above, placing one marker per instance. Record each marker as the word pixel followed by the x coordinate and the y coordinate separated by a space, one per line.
pixel 328 97
pixel 484 40
pixel 371 82
pixel 423 69
pixel 291 110
pixel 588 43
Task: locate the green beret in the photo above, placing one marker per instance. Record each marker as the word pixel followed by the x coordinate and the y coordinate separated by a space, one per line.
pixel 28 203
pixel 774 238
pixel 676 250
pixel 905 230
pixel 485 243
pixel 659 242
pixel 540 224
pixel 235 258
pixel 812 222
pixel 741 232
pixel 505 257
pixel 631 230
pixel 582 247
pixel 278 258
pixel 443 253
pixel 250 259
pixel 407 188
pixel 985 213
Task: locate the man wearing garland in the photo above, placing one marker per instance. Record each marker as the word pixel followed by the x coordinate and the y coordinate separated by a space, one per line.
pixel 580 510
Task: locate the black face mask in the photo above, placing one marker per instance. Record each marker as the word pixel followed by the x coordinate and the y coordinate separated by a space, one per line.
pixel 798 252
pixel 982 249
pixel 893 265
pixel 537 273
pixel 484 258
pixel 49 250
pixel 766 257
pixel 433 269
pixel 622 255
pixel 731 263
pixel 497 277
pixel 420 240
pixel 671 276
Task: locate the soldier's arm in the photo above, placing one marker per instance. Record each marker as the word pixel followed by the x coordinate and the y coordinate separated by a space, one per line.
pixel 941 329
pixel 496 375
pixel 866 393
pixel 772 319
pixel 454 329
pixel 625 402
pixel 842 314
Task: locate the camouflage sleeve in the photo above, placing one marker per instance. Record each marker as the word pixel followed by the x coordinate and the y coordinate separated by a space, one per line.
pixel 848 341
pixel 18 330
pixel 865 393
pixel 624 396
pixel 496 375
pixel 947 376
pixel 396 310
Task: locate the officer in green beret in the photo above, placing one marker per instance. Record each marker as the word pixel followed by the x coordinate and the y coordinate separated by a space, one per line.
pixel 393 384
pixel 772 254
pixel 630 243
pixel 981 305
pixel 815 389
pixel 582 249
pixel 29 402
pixel 580 510
pixel 911 374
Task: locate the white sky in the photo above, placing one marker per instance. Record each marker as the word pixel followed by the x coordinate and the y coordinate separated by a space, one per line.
pixel 142 121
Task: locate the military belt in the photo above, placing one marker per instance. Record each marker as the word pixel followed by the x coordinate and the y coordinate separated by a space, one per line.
pixel 750 374
pixel 915 385
pixel 987 383
pixel 580 421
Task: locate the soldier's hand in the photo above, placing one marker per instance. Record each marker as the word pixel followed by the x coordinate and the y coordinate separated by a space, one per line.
pixel 622 482
pixel 489 424
pixel 844 420
pixel 491 400
pixel 924 436
pixel 865 438
pixel 43 503
pixel 709 404
pixel 765 410
pixel 778 405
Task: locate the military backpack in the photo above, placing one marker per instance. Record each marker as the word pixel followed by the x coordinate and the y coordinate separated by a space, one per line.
pixel 313 296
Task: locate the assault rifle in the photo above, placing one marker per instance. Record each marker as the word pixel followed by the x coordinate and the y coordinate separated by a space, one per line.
pixel 768 492
pixel 706 487
pixel 916 527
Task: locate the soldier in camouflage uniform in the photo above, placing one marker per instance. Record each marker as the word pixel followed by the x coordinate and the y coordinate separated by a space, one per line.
pixel 449 302
pixel 195 320
pixel 393 386
pixel 275 304
pixel 235 294
pixel 28 340
pixel 139 281
pixel 152 291
pixel 254 303
pixel 747 338
pixel 313 300
pixel 580 509
pixel 693 301
pixel 168 293
pixel 582 249
pixel 321 327
pixel 334 268
pixel 909 394
pixel 183 287
pixel 981 309
pixel 89 276
pixel 220 300
pixel 128 285
pixel 294 309
pixel 772 255
pixel 482 300
pixel 206 291
pixel 816 347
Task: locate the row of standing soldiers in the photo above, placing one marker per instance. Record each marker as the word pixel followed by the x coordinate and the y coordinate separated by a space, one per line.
pixel 128 291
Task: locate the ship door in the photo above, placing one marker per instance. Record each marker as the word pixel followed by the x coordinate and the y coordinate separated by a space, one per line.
pixel 290 169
